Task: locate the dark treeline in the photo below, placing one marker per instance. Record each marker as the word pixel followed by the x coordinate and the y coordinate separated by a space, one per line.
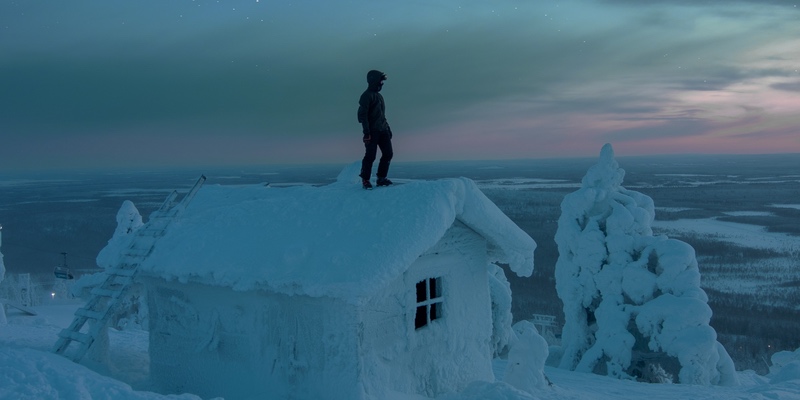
pixel 751 332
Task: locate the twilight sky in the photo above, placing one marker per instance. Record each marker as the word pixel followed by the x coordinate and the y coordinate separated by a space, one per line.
pixel 110 83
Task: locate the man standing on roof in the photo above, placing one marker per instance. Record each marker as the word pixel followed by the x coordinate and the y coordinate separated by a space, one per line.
pixel 376 130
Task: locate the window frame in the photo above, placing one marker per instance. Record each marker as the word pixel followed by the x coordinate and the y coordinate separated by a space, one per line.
pixel 429 304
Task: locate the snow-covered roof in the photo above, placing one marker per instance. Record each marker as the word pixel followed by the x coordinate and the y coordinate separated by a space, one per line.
pixel 337 240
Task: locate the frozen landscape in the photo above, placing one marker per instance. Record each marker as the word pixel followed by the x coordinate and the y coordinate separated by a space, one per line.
pixel 754 231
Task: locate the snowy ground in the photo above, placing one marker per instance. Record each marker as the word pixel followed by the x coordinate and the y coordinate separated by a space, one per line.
pixel 794 206
pixel 28 370
pixel 526 183
pixel 744 235
pixel 769 280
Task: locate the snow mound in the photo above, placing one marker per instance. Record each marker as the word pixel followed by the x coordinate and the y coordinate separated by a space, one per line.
pixel 632 301
pixel 785 366
pixel 789 372
pixel 33 374
pixel 526 359
pixel 350 175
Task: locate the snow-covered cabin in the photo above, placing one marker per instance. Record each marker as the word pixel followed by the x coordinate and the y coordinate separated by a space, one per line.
pixel 328 292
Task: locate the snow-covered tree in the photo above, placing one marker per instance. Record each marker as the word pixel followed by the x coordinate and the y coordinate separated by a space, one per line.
pixel 633 304
pixel 128 221
pixel 131 311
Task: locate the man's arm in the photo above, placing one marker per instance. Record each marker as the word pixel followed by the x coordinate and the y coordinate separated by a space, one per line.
pixel 364 105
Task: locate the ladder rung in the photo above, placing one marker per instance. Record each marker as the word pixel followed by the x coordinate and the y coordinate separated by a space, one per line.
pixel 112 286
pixel 121 271
pixel 123 280
pixel 96 315
pixel 137 252
pixel 154 234
pixel 75 336
pixel 105 292
pixel 167 214
pixel 153 228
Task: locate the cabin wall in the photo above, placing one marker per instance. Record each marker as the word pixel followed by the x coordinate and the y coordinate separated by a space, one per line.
pixel 213 341
pixel 449 352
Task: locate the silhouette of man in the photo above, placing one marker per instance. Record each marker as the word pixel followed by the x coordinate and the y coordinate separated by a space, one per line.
pixel 376 130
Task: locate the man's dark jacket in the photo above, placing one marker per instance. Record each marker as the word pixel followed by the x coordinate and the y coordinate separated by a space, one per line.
pixel 371 107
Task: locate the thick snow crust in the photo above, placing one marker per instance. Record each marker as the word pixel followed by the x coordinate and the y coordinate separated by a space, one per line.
pixel 338 240
pixel 632 301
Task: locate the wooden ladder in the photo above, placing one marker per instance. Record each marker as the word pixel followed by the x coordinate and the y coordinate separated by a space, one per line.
pixel 107 296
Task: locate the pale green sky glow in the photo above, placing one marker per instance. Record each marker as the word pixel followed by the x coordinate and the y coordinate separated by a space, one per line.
pixel 190 82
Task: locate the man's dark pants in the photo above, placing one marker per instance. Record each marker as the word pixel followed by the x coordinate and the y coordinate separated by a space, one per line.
pixel 384 141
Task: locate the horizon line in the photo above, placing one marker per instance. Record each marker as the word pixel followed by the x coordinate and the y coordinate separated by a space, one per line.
pixel 186 166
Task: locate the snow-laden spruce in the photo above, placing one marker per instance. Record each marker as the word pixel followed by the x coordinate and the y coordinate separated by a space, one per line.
pixel 128 221
pixel 633 304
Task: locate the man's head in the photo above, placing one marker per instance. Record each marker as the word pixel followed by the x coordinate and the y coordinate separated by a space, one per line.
pixel 375 79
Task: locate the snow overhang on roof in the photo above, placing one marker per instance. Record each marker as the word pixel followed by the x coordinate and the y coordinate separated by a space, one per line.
pixel 337 240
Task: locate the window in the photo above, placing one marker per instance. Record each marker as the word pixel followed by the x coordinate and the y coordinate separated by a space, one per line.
pixel 429 301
